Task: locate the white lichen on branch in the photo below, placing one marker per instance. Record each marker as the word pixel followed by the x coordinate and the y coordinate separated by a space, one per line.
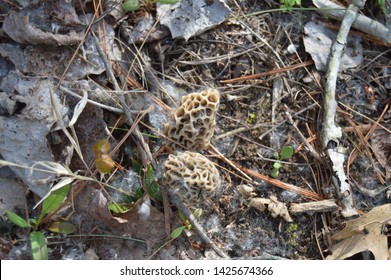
pixel 331 132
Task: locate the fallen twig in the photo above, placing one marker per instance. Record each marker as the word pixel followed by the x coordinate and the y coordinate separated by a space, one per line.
pixel 203 236
pixel 321 206
pixel 360 22
pixel 308 194
pixel 331 133
pixel 271 72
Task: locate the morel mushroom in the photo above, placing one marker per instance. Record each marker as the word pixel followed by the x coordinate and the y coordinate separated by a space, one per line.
pixel 192 124
pixel 192 177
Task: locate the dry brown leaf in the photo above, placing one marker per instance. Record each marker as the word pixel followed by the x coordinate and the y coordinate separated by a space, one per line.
pixel 19 28
pixel 275 207
pixel 142 221
pixel 362 234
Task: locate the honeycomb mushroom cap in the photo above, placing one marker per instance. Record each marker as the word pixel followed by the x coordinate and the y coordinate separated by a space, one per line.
pixel 192 177
pixel 193 122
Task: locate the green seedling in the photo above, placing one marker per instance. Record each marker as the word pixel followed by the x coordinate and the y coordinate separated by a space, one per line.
pixel 286 153
pixel 186 224
pixel 37 236
pixel 251 118
pixel 149 182
pixel 287 5
pixel 130 5
pixel 149 185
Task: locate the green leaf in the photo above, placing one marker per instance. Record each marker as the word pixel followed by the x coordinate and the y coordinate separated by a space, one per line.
pixel 274 173
pixel 38 246
pixel 277 165
pixel 177 232
pixel 62 183
pixel 104 164
pixel 16 219
pixel 138 193
pixel 130 5
pixel 197 213
pixel 150 176
pixel 33 221
pixel 101 147
pixel 62 227
pixel 117 207
pixel 53 201
pixel 286 152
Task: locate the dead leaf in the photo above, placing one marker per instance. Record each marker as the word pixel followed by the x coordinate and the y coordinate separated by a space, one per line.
pixel 275 207
pixel 18 27
pixel 192 17
pixel 318 44
pixel 362 234
pixel 23 135
pixel 90 254
pixel 142 221
pixel 12 192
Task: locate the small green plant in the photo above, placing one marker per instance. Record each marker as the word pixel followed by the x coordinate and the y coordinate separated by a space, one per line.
pixel 176 232
pixel 133 5
pixel 251 118
pixel 293 234
pixel 382 6
pixel 149 185
pixel 149 181
pixel 37 236
pixel 286 153
pixel 186 224
pixel 287 5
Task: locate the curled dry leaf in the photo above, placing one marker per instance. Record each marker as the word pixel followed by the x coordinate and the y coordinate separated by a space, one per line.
pixel 18 27
pixel 275 207
pixel 103 161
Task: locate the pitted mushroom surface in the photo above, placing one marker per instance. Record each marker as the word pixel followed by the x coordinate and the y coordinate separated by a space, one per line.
pixel 192 123
pixel 191 176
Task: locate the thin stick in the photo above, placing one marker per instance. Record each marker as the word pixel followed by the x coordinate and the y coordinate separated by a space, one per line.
pixel 308 194
pixel 331 132
pixel 271 72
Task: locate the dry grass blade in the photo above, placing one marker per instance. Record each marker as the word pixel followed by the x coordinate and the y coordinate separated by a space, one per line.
pixel 271 72
pixel 305 193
